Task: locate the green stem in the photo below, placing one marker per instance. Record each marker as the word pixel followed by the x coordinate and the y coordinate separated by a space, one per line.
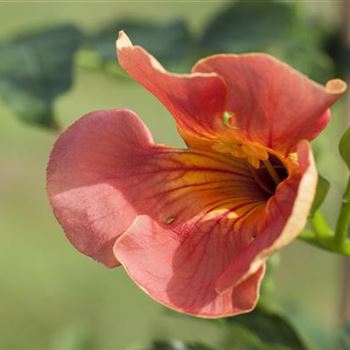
pixel 343 223
pixel 325 243
pixel 320 225
pixel 309 237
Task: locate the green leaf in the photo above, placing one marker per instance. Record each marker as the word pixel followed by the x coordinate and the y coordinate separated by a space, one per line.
pixel 249 25
pixel 240 338
pixel 261 329
pixel 171 43
pixel 322 189
pixel 35 69
pixel 338 49
pixel 177 345
pixel 271 328
pixel 344 147
pixel 274 27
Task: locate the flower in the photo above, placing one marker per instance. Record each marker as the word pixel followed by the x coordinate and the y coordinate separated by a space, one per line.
pixel 193 227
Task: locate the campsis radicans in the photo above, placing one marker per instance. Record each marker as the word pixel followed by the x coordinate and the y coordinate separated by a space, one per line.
pixel 193 227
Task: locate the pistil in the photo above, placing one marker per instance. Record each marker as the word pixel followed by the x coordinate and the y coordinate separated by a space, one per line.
pixel 272 172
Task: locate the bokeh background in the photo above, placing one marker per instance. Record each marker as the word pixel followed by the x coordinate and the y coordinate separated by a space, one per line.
pixel 51 297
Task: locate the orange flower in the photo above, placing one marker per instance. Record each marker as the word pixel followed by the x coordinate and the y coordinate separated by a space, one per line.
pixel 193 227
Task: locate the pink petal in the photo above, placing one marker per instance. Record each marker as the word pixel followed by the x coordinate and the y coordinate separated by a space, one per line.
pixel 287 213
pixel 87 164
pixel 273 104
pixel 105 170
pixel 180 273
pixel 212 266
pixel 197 101
pixel 197 213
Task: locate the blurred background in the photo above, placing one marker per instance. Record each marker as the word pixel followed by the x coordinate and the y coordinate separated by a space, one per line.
pixel 52 297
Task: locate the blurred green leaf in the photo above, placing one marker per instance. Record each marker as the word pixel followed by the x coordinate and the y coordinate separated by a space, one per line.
pixel 344 147
pixel 240 338
pixel 177 345
pixel 261 329
pixel 271 328
pixel 249 26
pixel 322 189
pixel 35 69
pixel 275 27
pixel 171 43
pixel 336 47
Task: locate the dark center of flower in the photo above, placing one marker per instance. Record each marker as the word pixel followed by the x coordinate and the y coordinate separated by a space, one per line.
pixel 270 173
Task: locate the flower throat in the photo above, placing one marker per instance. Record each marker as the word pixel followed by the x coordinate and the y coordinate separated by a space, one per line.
pixel 270 173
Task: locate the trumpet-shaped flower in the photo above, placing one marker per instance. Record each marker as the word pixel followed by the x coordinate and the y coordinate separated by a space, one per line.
pixel 193 227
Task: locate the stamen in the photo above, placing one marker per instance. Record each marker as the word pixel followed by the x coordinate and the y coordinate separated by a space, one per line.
pixel 276 179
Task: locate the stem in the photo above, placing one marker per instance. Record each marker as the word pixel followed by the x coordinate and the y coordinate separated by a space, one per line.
pixel 276 179
pixel 322 235
pixel 309 237
pixel 343 223
pixel 320 225
pixel 325 243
